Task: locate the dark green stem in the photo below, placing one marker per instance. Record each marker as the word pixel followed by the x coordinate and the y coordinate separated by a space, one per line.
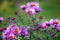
pixel 22 37
pixel 30 35
pixel 21 20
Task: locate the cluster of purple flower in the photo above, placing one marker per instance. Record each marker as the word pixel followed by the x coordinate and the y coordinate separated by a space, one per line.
pixel 53 23
pixel 31 8
pixel 12 31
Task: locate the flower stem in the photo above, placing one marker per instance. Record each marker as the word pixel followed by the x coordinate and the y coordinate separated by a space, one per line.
pixel 30 34
pixel 21 20
pixel 22 37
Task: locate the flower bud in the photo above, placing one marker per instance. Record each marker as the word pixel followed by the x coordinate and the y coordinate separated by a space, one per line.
pixel 16 13
pixel 52 35
pixel 41 17
pixel 12 18
pixel 1 30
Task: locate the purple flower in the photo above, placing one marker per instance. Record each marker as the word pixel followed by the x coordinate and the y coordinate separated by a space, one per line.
pixel 10 32
pixel 1 29
pixel 44 26
pixel 54 22
pixel 30 11
pixel 33 4
pixel 52 34
pixel 10 36
pixel 39 25
pixel 5 33
pixel 31 8
pixel 16 30
pixel 10 26
pixel 58 26
pixel 24 32
pixel 1 19
pixel 47 23
pixel 37 10
pixel 23 7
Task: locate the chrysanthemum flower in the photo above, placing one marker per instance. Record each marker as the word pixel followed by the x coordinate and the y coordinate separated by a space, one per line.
pixel 7 31
pixel 33 4
pixel 1 19
pixel 24 32
pixel 37 10
pixel 30 11
pixel 54 22
pixel 10 26
pixel 23 7
pixel 52 34
pixel 38 25
pixel 47 23
pixel 11 36
pixel 16 30
pixel 58 26
pixel 44 26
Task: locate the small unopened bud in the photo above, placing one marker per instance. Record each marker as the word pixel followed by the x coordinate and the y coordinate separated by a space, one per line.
pixel 41 17
pixel 8 17
pixel 1 30
pixel 59 36
pixel 16 13
pixel 23 7
pixel 4 28
pixel 12 18
pixel 38 38
pixel 45 30
pixel 52 35
pixel 37 29
pixel 1 19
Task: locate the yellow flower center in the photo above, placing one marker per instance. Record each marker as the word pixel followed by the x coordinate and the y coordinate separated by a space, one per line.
pixel 11 37
pixel 29 11
pixel 32 5
pixel 55 22
pixel 16 30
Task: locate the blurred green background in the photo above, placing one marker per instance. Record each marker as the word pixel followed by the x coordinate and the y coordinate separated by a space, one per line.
pixel 51 8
